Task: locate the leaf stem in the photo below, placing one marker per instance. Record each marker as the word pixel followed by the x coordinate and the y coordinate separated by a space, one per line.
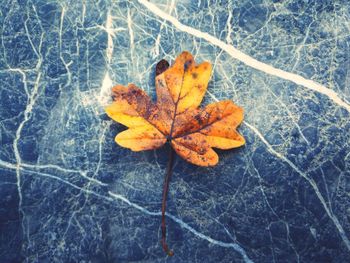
pixel 169 172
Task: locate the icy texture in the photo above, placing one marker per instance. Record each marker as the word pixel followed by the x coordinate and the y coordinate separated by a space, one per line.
pixel 70 194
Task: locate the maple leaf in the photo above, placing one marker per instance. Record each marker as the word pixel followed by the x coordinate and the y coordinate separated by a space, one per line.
pixel 176 118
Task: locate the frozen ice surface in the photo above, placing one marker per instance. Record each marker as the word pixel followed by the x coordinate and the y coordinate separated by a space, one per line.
pixel 70 194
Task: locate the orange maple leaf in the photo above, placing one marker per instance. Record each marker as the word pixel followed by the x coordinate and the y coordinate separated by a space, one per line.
pixel 176 117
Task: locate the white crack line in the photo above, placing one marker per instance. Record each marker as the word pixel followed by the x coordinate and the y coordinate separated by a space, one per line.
pixel 155 50
pixel 110 34
pixel 62 169
pixel 66 65
pixel 131 32
pixel 37 167
pixel 31 100
pixel 248 60
pixel 235 246
pixel 8 165
pixel 13 166
pixel 27 114
pixel 107 83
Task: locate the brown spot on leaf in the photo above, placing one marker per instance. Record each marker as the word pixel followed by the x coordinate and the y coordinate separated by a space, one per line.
pixel 198 119
pixel 162 66
pixel 188 64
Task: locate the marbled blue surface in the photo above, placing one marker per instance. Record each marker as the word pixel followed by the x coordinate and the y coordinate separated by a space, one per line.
pixel 68 193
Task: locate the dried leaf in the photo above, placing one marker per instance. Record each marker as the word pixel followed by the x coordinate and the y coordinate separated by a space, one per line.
pixel 176 116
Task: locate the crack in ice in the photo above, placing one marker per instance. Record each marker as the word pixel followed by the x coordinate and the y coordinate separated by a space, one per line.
pixel 155 50
pixel 104 96
pixel 66 65
pixel 110 34
pixel 27 112
pixel 37 167
pixel 246 59
pixel 131 33
pixel 66 170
